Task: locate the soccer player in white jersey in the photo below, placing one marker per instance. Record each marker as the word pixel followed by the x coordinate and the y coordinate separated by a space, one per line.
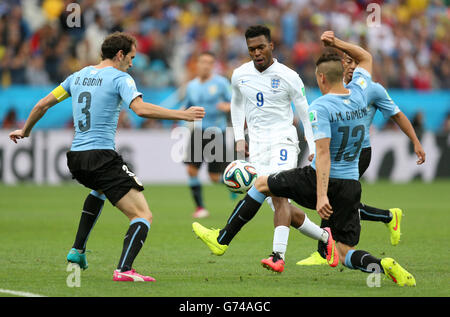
pixel 263 90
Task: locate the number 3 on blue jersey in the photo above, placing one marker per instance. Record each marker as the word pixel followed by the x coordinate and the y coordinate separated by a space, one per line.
pixel 260 99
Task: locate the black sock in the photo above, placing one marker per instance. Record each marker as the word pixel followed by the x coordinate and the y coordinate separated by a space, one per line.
pixel 197 194
pixel 92 209
pixel 133 242
pixel 244 211
pixel 364 261
pixel 374 214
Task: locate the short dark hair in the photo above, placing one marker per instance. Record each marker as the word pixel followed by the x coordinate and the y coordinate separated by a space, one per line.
pixel 330 55
pixel 115 42
pixel 257 30
pixel 330 64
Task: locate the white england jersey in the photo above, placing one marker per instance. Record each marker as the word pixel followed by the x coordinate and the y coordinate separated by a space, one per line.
pixel 263 99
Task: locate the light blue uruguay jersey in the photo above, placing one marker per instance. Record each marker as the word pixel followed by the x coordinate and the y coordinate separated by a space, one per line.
pixel 377 99
pixel 97 98
pixel 343 119
pixel 207 95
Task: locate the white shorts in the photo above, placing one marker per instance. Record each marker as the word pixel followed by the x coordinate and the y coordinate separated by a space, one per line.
pixel 271 158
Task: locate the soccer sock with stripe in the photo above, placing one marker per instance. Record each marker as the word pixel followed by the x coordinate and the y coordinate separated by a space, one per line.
pixel 363 261
pixel 196 190
pixel 245 210
pixel 374 214
pixel 92 209
pixel 133 242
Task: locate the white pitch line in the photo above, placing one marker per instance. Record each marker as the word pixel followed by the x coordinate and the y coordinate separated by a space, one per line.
pixel 17 293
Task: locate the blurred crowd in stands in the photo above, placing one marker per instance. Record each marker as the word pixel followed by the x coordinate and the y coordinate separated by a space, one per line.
pixel 43 41
pixel 38 46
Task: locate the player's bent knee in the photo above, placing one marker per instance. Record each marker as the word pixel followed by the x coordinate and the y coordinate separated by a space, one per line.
pixel 147 214
pixel 261 185
pixel 144 215
pixel 149 217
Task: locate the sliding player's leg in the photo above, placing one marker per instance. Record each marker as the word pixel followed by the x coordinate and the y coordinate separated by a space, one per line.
pixel 218 240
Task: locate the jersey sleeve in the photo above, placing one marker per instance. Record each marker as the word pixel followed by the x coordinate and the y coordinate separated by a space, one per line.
pixel 237 110
pixel 384 102
pixel 360 83
pixel 127 89
pixel 63 90
pixel 320 122
pixel 298 98
pixel 361 80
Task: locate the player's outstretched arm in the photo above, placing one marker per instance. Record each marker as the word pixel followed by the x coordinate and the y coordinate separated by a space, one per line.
pixel 151 111
pixel 36 114
pixel 323 164
pixel 356 52
pixel 405 125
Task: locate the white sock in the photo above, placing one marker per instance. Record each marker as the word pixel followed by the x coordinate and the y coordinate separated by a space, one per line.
pixel 270 202
pixel 310 229
pixel 280 240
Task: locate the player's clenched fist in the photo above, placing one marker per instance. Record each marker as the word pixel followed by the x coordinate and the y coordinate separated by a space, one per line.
pixel 194 113
pixel 324 208
pixel 327 38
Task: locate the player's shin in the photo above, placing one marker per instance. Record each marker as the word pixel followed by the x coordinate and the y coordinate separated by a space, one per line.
pixel 374 214
pixel 363 261
pixel 133 242
pixel 92 209
pixel 244 211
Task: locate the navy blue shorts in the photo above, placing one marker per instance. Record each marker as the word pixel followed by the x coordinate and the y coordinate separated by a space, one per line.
pixel 344 195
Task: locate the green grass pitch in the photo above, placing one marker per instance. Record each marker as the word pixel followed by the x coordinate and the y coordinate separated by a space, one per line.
pixel 38 225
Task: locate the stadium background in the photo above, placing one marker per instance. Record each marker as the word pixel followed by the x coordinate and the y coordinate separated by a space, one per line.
pixel 37 222
pixel 39 48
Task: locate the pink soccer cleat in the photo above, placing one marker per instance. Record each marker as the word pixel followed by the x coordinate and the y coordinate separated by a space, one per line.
pixel 131 276
pixel 274 263
pixel 331 251
pixel 200 212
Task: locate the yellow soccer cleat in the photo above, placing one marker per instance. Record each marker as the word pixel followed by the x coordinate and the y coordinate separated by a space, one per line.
pixel 396 273
pixel 209 237
pixel 313 259
pixel 394 225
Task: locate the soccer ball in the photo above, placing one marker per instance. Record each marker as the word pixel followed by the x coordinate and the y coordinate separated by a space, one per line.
pixel 239 176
